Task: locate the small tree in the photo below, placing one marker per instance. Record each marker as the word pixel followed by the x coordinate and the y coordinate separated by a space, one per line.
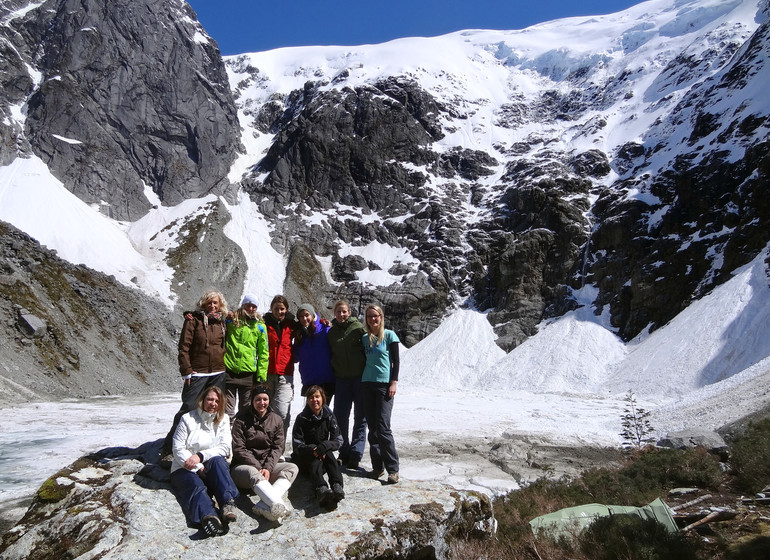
pixel 637 429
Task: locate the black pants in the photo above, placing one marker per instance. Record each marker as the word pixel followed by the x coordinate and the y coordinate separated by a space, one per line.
pixel 316 468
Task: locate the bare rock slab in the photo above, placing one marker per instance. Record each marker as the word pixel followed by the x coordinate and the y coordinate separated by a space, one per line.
pixel 117 504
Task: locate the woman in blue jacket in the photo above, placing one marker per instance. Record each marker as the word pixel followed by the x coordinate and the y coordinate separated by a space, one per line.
pixel 310 350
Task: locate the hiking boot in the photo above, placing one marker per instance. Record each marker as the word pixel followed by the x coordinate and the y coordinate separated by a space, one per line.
pixel 165 460
pixel 337 491
pixel 229 512
pixel 321 492
pixel 325 497
pixel 376 473
pixel 393 478
pixel 212 526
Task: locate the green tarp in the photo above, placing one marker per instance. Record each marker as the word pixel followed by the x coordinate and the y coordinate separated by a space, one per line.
pixel 566 521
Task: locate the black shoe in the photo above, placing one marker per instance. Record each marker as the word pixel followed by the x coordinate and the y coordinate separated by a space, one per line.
pixel 337 492
pixel 322 492
pixel 352 463
pixel 212 526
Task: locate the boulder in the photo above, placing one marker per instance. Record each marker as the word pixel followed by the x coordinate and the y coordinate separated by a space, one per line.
pixel 692 438
pixel 118 504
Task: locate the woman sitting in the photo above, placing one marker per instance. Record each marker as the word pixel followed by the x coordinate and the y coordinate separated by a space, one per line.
pixel 200 445
pixel 258 443
pixel 315 437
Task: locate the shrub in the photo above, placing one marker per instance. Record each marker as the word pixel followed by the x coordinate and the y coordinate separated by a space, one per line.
pixel 750 457
pixel 632 538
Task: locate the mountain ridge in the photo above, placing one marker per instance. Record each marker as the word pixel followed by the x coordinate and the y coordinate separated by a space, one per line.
pixel 516 173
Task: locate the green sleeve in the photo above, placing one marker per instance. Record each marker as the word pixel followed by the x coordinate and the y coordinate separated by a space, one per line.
pixel 263 353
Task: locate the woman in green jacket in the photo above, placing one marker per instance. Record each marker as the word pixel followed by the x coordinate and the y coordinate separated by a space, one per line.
pixel 348 361
pixel 246 354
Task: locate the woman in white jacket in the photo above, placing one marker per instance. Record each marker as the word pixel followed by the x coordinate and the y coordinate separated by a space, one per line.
pixel 200 446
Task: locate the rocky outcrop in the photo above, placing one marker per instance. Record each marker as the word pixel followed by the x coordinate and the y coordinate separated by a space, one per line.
pixel 203 257
pixel 119 95
pixel 71 331
pixel 118 504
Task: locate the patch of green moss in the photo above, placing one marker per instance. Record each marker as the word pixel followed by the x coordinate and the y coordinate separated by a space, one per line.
pixel 51 491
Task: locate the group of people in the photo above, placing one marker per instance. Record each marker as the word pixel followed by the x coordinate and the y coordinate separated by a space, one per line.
pixel 238 371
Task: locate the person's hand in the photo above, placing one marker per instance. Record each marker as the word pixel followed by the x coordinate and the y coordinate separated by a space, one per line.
pixel 317 454
pixel 188 381
pixel 265 473
pixel 325 322
pixel 188 316
pixel 392 389
pixel 192 461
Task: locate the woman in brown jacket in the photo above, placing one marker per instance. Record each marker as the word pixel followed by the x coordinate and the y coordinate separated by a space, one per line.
pixel 258 444
pixel 201 356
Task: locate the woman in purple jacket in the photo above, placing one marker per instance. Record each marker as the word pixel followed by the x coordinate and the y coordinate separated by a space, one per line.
pixel 311 351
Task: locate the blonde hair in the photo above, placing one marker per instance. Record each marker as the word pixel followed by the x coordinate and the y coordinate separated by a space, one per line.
pixel 220 406
pixel 380 334
pixel 241 316
pixel 210 296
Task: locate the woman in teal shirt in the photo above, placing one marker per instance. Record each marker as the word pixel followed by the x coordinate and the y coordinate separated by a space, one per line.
pixel 378 385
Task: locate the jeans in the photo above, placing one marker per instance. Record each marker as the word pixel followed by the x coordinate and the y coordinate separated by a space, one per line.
pixel 348 395
pixel 193 489
pixel 281 389
pixel 378 407
pixel 190 394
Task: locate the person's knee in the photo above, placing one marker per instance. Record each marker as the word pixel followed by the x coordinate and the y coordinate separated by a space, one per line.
pixel 217 462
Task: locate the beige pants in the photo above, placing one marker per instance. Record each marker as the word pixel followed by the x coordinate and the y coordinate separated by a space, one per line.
pixel 246 476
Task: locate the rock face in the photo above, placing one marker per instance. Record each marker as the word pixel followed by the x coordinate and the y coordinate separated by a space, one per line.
pixel 531 226
pixel 574 179
pixel 69 330
pixel 119 95
pixel 118 504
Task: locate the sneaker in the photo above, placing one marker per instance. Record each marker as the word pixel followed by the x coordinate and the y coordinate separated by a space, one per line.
pixel 260 508
pixel 229 512
pixel 212 526
pixel 337 491
pixel 376 473
pixel 393 478
pixel 275 513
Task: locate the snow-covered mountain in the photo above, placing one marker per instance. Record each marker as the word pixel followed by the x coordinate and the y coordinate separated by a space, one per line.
pixel 570 191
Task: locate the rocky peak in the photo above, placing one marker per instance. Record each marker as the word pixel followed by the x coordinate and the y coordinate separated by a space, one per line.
pixel 120 93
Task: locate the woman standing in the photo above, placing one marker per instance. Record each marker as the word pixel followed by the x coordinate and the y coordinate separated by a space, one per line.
pixel 280 370
pixel 258 443
pixel 348 360
pixel 311 351
pixel 199 468
pixel 201 356
pixel 379 382
pixel 246 354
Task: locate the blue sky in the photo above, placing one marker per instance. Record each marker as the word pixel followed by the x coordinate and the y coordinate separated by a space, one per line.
pixel 241 26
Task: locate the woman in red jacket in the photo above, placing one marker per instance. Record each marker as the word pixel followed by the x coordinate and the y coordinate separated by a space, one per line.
pixel 280 369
